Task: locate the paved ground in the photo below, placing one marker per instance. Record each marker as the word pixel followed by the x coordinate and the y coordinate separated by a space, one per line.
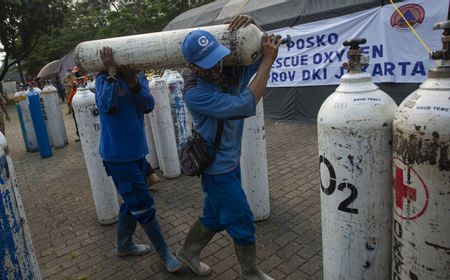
pixel 70 244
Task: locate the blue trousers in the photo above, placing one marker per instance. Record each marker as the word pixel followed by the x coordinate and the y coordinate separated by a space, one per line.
pixel 130 179
pixel 226 207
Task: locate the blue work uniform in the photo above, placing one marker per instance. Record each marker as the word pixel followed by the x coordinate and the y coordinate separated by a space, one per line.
pixel 122 140
pixel 225 205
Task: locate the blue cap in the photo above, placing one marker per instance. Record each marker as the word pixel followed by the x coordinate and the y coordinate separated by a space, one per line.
pixel 201 48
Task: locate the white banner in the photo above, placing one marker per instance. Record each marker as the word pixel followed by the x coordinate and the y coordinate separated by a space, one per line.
pixel 315 55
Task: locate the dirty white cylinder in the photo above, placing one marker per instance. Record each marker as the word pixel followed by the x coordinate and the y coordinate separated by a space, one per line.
pixel 18 97
pixel 155 135
pixel 355 140
pixel 55 121
pixel 180 115
pixel 166 74
pixel 255 181
pixel 17 256
pixel 102 186
pixel 151 157
pixel 32 144
pixel 421 170
pixel 168 155
pixel 91 85
pixel 162 49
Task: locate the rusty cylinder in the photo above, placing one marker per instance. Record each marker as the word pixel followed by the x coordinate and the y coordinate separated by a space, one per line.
pixel 421 171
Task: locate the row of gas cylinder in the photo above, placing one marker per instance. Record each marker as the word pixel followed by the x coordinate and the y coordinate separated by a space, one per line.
pixel 41 119
pixel 385 176
pixel 166 128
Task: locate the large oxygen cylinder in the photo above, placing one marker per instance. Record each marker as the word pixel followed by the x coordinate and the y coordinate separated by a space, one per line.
pixel 255 181
pixel 38 119
pixel 30 136
pixel 151 118
pixel 55 121
pixel 166 74
pixel 421 169
pixel 17 257
pixel 162 49
pixel 102 186
pixel 21 96
pixel 355 154
pixel 180 115
pixel 91 85
pixel 151 157
pixel 168 155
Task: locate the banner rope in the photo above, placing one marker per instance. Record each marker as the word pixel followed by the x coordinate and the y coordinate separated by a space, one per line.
pixel 410 27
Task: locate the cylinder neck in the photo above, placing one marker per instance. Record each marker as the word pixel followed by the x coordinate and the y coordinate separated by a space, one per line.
pixel 442 71
pixel 357 61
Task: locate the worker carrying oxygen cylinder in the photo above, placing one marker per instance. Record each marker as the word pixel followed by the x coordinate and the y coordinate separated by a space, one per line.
pixel 123 97
pixel 219 101
pixel 161 49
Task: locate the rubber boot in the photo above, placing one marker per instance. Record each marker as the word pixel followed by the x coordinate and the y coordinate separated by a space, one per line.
pixel 247 259
pixel 197 239
pixel 153 231
pixel 126 226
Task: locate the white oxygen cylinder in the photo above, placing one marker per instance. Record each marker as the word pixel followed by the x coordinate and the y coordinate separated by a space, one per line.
pixel 18 97
pixel 17 255
pixel 254 177
pixel 32 143
pixel 355 154
pixel 55 122
pixel 162 49
pixel 421 170
pixel 168 155
pixel 155 135
pixel 166 74
pixel 91 85
pixel 102 186
pixel 180 115
pixel 151 157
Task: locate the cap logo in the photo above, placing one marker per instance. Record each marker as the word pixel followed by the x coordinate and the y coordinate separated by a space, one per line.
pixel 203 41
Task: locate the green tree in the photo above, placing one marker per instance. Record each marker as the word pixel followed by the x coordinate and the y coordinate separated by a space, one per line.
pixel 93 20
pixel 81 23
pixel 23 22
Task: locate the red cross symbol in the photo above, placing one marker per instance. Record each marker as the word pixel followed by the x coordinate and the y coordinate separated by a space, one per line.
pixel 401 190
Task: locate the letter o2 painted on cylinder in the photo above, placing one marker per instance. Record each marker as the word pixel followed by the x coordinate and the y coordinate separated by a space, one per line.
pixel 344 205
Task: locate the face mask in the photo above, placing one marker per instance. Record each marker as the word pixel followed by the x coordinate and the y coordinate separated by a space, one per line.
pixel 225 77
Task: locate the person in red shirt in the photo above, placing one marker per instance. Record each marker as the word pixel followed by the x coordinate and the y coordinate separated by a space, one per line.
pixel 77 80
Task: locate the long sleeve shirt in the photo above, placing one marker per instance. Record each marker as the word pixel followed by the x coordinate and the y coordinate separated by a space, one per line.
pixel 208 103
pixel 122 135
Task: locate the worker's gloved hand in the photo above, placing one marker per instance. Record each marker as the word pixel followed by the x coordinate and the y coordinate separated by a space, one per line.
pixel 107 57
pixel 238 22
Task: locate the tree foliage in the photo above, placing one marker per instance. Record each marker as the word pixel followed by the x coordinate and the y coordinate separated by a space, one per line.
pixel 93 20
pixel 22 24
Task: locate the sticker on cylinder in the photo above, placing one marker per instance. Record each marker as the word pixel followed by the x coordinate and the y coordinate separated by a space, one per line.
pixel 410 192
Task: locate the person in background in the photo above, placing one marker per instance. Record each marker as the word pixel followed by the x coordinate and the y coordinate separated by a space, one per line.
pixel 123 97
pixel 224 93
pixel 67 82
pixel 60 88
pixel 77 79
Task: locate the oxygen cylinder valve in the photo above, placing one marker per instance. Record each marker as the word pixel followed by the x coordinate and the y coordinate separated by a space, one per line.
pixel 357 60
pixel 445 52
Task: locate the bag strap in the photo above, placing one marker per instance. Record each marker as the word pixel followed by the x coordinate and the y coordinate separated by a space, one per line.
pixel 218 135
